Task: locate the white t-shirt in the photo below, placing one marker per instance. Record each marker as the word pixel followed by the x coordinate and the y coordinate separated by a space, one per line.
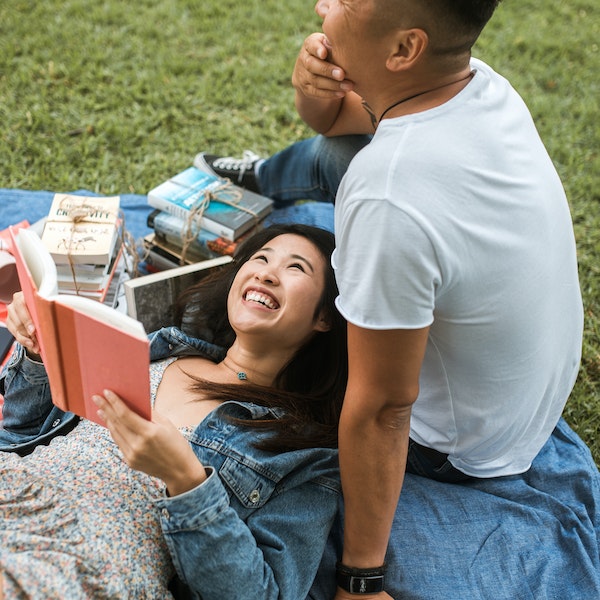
pixel 455 218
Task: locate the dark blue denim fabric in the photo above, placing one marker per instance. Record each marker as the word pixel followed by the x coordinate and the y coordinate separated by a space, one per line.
pixel 534 536
pixel 30 418
pixel 427 462
pixel 256 529
pixel 244 516
pixel 310 169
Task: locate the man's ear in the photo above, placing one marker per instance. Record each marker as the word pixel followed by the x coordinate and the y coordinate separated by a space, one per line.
pixel 409 46
pixel 323 323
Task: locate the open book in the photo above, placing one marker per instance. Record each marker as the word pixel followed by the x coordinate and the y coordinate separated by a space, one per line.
pixel 151 298
pixel 86 346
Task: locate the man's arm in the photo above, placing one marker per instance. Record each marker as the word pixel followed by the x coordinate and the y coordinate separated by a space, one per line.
pixel 373 440
pixel 325 99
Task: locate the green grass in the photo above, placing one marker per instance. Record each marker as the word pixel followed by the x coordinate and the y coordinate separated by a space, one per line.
pixel 117 96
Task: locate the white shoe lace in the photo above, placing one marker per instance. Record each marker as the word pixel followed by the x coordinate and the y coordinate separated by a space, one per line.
pixel 230 163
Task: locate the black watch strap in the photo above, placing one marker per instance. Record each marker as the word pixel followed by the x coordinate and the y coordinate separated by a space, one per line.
pixel 360 581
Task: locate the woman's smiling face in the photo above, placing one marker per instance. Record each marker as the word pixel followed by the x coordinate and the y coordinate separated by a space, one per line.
pixel 277 291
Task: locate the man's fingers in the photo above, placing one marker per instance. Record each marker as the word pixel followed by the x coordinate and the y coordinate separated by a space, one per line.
pixel 316 44
pixel 320 68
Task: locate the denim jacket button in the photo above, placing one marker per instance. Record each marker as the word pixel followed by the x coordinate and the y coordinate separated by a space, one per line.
pixel 170 346
pixel 56 422
pixel 254 496
pixel 165 513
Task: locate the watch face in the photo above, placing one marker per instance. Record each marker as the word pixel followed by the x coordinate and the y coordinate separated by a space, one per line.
pixel 366 585
pixel 356 584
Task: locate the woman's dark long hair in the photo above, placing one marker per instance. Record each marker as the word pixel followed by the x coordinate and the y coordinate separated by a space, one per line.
pixel 310 388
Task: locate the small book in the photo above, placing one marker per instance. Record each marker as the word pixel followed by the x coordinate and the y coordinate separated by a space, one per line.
pixel 6 343
pixel 151 298
pixel 174 252
pixel 232 210
pixel 168 228
pixel 9 279
pixel 85 345
pixel 171 229
pixel 155 259
pixel 81 229
pixel 90 280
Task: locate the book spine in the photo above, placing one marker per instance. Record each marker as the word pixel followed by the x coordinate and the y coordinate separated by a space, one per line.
pixel 170 228
pixel 165 205
pixel 158 262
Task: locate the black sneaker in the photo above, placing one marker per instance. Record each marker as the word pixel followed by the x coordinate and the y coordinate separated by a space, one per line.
pixel 241 171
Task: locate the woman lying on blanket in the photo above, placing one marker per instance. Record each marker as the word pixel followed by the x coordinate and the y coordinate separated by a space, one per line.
pixel 233 485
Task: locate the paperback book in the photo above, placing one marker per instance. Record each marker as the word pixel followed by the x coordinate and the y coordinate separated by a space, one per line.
pixel 151 298
pixel 90 280
pixel 171 229
pixel 155 246
pixel 154 259
pixel 168 228
pixel 230 210
pixel 86 346
pixel 81 229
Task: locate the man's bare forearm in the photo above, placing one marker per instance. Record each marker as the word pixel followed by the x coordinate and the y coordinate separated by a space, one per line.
pixel 319 114
pixel 372 460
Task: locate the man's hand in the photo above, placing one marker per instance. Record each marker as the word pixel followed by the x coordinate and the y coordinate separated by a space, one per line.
pixel 325 100
pixel 154 447
pixel 314 76
pixel 20 324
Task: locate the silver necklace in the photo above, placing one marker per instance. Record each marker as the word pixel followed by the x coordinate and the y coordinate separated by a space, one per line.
pixel 241 375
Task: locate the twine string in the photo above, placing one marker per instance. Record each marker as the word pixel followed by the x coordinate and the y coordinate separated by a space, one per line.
pixel 225 193
pixel 78 212
pixel 135 253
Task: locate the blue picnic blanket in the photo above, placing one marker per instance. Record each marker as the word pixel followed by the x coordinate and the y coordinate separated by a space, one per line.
pixel 16 205
pixel 534 536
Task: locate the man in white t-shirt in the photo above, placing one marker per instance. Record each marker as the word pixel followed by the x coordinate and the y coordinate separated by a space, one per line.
pixel 453 220
pixel 455 260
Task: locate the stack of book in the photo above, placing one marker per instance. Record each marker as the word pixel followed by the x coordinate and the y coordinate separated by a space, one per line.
pixel 199 216
pixel 82 235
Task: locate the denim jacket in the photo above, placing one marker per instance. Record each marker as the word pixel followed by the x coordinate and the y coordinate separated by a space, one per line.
pixel 30 418
pixel 238 533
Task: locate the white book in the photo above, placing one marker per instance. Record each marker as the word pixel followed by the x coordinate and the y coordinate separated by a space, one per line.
pixel 151 298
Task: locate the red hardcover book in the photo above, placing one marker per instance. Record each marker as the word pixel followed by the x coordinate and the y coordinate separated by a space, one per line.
pixel 86 346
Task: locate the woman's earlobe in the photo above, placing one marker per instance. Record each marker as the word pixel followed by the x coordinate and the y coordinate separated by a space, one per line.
pixel 323 323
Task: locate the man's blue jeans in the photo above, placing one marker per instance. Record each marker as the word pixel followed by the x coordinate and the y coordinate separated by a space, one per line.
pixel 309 170
pixel 532 536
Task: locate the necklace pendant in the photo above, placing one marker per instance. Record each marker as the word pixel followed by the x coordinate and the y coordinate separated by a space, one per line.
pixel 242 376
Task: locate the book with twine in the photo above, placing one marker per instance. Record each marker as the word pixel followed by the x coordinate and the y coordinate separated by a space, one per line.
pixel 202 200
pixel 81 229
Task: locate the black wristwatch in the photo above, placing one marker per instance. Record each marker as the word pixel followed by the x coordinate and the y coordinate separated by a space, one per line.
pixel 360 581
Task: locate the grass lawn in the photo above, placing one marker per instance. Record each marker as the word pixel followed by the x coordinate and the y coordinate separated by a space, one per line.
pixel 115 97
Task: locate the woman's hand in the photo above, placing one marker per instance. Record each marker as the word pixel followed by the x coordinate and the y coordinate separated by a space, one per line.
pixel 154 447
pixel 20 324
